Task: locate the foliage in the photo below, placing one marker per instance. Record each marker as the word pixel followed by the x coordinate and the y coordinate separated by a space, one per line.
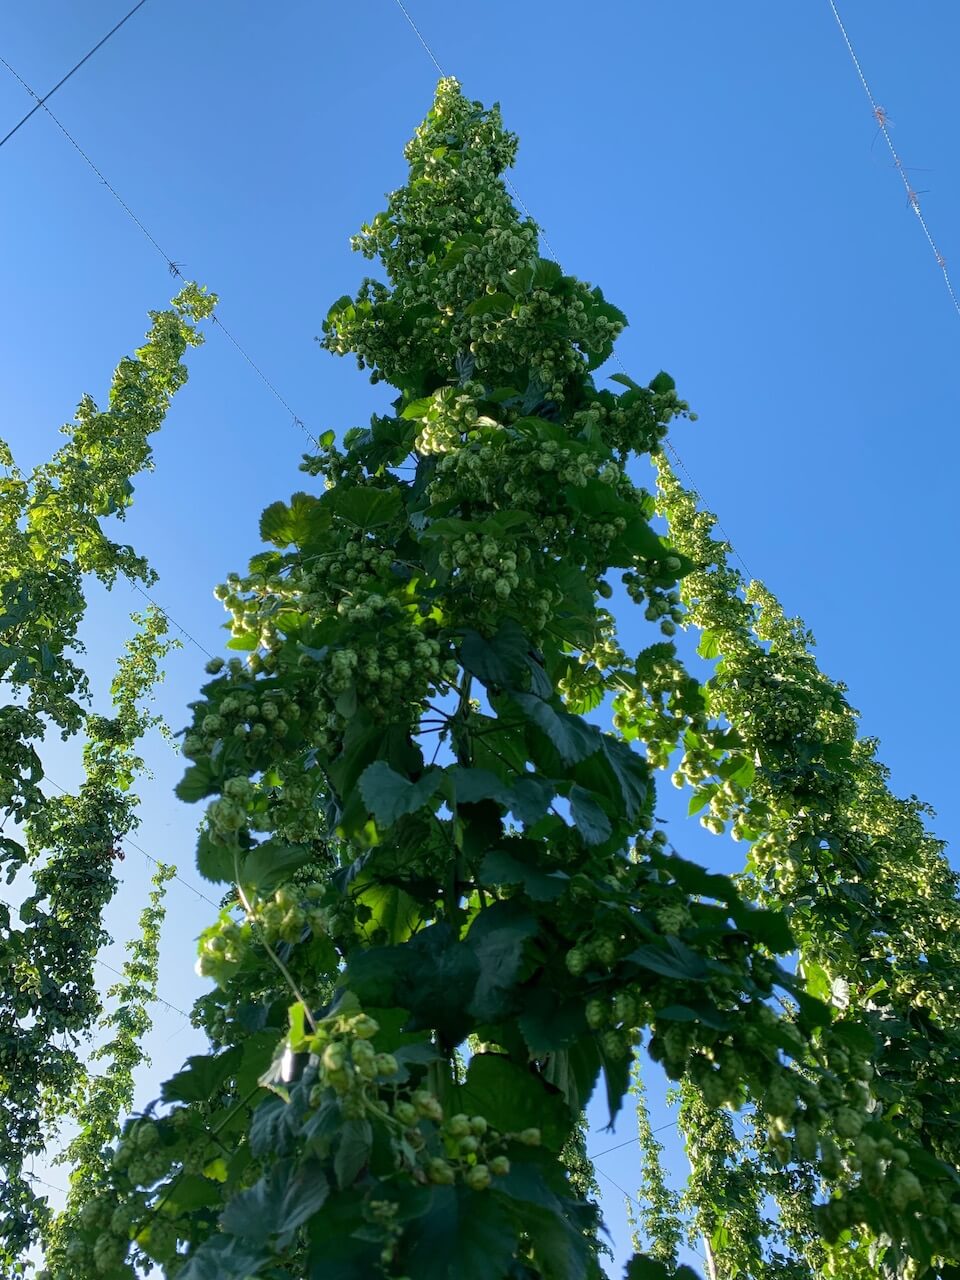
pixel 871 899
pixel 51 536
pixel 505 886
pixel 660 1228
pixel 105 1098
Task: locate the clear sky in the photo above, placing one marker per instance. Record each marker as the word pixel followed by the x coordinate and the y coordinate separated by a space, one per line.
pixel 714 167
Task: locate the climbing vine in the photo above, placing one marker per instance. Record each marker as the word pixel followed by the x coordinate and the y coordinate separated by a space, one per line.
pixel 425 845
pixel 449 913
pixel 51 537
pixel 871 899
pixel 106 1098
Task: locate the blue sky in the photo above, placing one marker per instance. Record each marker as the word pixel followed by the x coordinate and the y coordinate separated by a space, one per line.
pixel 715 168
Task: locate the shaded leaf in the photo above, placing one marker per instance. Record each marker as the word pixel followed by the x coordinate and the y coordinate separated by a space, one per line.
pixel 514 1098
pixel 464 1235
pixel 572 737
pixel 389 796
pixel 592 823
pixel 224 1258
pixel 278 1204
pixel 353 1150
pixel 501 868
pixel 500 662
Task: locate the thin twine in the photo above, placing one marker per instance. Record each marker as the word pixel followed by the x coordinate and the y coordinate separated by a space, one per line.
pixel 556 257
pixel 880 116
pixel 172 266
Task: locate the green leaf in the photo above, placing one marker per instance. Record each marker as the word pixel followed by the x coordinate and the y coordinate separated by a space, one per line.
pixel 433 975
pixel 389 796
pixel 497 937
pixel 633 775
pixel 855 1037
pixel 642 1267
pixel 285 525
pixel 500 868
pixel 215 862
pixel 546 274
pixel 191 1192
pixel 198 781
pixel 353 1151
pixel 419 408
pixel 203 1075
pixel 366 507
pixel 224 1258
pixel 672 959
pixel 393 910
pixel 335 1251
pixel 572 737
pixel 272 1127
pixel 272 862
pixel 561 1248
pixel 498 303
pixel 768 927
pixel 709 645
pixel 464 1235
pixel 500 662
pixel 530 799
pixel 473 785
pixel 662 383
pixel 592 823
pixel 278 1204
pixel 514 1098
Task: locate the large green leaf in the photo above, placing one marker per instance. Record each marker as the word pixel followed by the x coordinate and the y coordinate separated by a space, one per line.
pixel 284 525
pixel 474 785
pixel 633 775
pixel 272 862
pixel 501 662
pixel 202 1076
pixel 495 303
pixel 497 937
pixel 501 868
pixel 433 975
pixel 671 959
pixel 366 507
pixel 530 799
pixel 353 1150
pixel 561 1249
pixel 572 737
pixel 224 1258
pixel 514 1098
pixel 389 796
pixel 591 821
pixel 272 1127
pixel 464 1235
pixel 198 782
pixel 278 1204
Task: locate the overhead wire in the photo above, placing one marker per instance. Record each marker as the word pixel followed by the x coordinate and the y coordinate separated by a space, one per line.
pixel 149 857
pixel 883 123
pixel 172 265
pixel 169 617
pixel 117 973
pixel 76 67
pixel 175 269
pixel 596 1155
pixel 154 1000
